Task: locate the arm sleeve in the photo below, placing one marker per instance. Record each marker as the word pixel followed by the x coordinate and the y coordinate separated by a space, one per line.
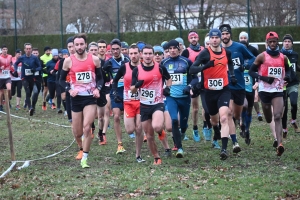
pixel 62 80
pixel 121 72
pixel 287 67
pixel 134 76
pixel 252 71
pixel 100 80
pixel 165 74
pixel 248 55
pixel 230 62
pixel 17 63
pixel 202 58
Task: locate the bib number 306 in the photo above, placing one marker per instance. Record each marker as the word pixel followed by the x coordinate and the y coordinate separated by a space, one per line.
pixel 83 77
pixel 215 84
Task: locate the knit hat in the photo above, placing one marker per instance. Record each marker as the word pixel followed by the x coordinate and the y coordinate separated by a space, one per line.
pixel 206 40
pixel 180 40
pixel 140 45
pixel 70 39
pixel 18 51
pixel 54 52
pixel 173 43
pixel 158 49
pixel 289 37
pixel 214 32
pixel 225 28
pixel 64 51
pixel 47 48
pixel 124 45
pixel 272 35
pixel 244 34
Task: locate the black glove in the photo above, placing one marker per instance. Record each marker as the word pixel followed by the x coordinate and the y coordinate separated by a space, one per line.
pixel 266 79
pixel 233 80
pixel 186 90
pixel 15 74
pixel 287 79
pixel 118 99
pixel 33 70
pixel 209 64
pixel 167 91
pixel 139 84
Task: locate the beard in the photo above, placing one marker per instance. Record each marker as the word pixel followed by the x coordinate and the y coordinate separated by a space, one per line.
pixel 225 40
pixel 80 53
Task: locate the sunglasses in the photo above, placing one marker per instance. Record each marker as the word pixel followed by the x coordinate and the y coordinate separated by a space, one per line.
pixel 158 53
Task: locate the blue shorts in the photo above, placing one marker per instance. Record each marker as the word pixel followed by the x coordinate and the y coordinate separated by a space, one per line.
pixel 181 105
pixel 113 103
pixel 166 106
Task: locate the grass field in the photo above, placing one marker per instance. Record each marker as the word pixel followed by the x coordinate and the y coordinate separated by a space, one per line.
pixel 255 173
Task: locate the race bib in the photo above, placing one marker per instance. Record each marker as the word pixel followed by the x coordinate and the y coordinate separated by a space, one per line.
pixel 5 74
pixel 28 72
pixel 37 73
pixel 147 95
pixel 247 80
pixel 294 66
pixel 19 69
pixel 177 79
pixel 84 77
pixel 236 63
pixel 275 72
pixel 215 84
pixel 133 96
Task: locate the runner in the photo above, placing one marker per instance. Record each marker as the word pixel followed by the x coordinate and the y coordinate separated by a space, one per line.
pixel 132 119
pixel 179 99
pixel 191 53
pixel 30 65
pixel 16 84
pixel 216 61
pixel 148 79
pixel 45 58
pixel 38 80
pixel 239 54
pixel 273 71
pixel 112 66
pixel 83 69
pixel 5 80
pixel 292 87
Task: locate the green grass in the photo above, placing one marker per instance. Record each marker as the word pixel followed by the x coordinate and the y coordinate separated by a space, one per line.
pixel 255 173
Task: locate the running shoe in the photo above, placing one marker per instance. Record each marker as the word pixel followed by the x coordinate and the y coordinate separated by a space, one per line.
pixel 275 143
pixel 204 131
pixel 179 153
pixel 223 154
pixel 65 113
pixel 208 134
pixel 79 155
pixel 182 136
pixel 145 138
pixel 84 163
pixel 18 107
pixel 44 107
pixel 140 159
pixel 53 106
pixel 31 111
pixel 295 126
pixel 215 144
pixel 236 148
pixel 259 117
pixel 174 148
pixel 168 153
pixel 284 134
pixel 247 138
pixel 280 150
pixel 1 108
pixel 132 135
pixel 185 137
pixel 157 161
pixel 196 136
pixel 120 149
pixel 24 105
pixel 103 141
pixel 162 135
pixel 59 111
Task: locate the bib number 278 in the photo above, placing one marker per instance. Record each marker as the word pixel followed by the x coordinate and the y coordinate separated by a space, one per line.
pixel 84 77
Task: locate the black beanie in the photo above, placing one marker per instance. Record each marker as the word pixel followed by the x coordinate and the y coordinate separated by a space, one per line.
pixel 70 39
pixel 173 43
pixel 47 48
pixel 288 36
pixel 225 27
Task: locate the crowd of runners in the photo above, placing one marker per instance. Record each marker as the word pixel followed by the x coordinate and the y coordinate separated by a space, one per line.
pixel 156 87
